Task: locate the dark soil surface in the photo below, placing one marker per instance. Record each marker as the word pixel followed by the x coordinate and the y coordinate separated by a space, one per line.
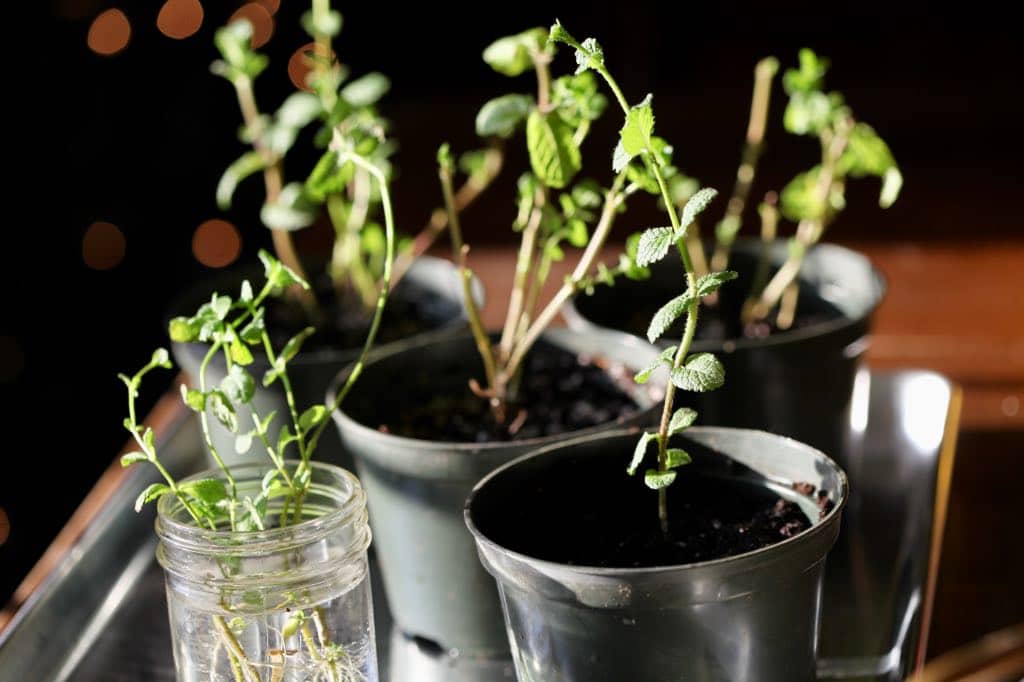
pixel 582 511
pixel 559 392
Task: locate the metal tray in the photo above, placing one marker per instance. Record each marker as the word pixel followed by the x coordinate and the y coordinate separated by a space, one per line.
pixel 101 615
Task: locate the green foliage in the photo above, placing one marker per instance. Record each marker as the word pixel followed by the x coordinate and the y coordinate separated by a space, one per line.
pixel 554 154
pixel 640 452
pixel 709 283
pixel 501 116
pixel 635 134
pixel 700 373
pixel 512 55
pixel 657 480
pixel 654 245
pixel 665 359
pixel 667 315
pixel 682 419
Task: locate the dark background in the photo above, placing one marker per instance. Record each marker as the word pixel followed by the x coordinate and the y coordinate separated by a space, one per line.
pixel 140 139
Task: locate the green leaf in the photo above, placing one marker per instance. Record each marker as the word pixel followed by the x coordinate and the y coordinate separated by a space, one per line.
pixel 278 274
pixel 667 315
pixel 656 480
pixel 284 437
pixel 221 306
pixel 195 399
pixel 809 76
pixel 636 132
pixel 640 451
pixel 152 492
pixel 366 90
pixel 701 372
pixel 892 183
pixel 642 176
pixel 252 333
pixel 238 385
pixel 801 200
pixel 865 154
pixel 665 358
pixel 243 442
pixel 247 164
pixel 254 511
pixel 210 491
pixel 264 425
pixel 502 115
pixel 619 157
pixel 682 187
pixel 727 229
pixel 161 358
pixel 241 354
pixel 682 419
pixel 554 155
pixel 709 283
pixel 587 194
pixel 299 109
pixel 131 458
pixel 677 458
pixel 589 55
pixel 808 113
pixel 322 23
pixel 577 234
pixel 291 349
pixel 312 417
pixel 245 293
pixel 654 245
pixel 696 204
pixel 290 211
pixel 182 330
pixel 511 55
pixel 222 409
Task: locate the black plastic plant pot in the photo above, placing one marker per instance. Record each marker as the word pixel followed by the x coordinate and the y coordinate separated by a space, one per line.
pixel 431 288
pixel 436 588
pixel 750 616
pixel 797 383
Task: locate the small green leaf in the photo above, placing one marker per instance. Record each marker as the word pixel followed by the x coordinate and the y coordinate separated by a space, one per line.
pixel 366 90
pixel 677 458
pixel 577 235
pixel 665 358
pixel 182 330
pixel 640 451
pixel 619 157
pixel 290 211
pixel 245 294
pixel 210 491
pixel 642 176
pixel 696 204
pixel 701 372
pixel 322 23
pixel 654 245
pixel 656 480
pixel 299 109
pixel 243 442
pixel 667 315
pixel 312 417
pixel 152 492
pixel 636 132
pixel 294 345
pixel 809 113
pixel 252 333
pixel 682 419
pixel 892 183
pixel 278 274
pixel 132 457
pixel 502 115
pixel 284 437
pixel 238 385
pixel 222 409
pixel 709 283
pixel 241 354
pixel 161 358
pixel 221 306
pixel 511 55
pixel 554 154
pixel 810 74
pixel 589 55
pixel 264 425
pixel 195 399
pixel 247 164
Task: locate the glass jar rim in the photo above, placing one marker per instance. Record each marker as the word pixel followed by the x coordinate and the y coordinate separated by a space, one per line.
pixel 351 509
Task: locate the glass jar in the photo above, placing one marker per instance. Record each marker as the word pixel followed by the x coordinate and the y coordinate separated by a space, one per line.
pixel 285 604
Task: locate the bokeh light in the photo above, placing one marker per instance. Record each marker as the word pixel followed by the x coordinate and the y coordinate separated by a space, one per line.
pixel 216 243
pixel 299 65
pixel 271 5
pixel 109 32
pixel 5 526
pixel 12 359
pixel 259 17
pixel 103 246
pixel 180 18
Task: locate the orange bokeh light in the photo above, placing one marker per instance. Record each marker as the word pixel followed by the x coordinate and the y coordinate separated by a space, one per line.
pixel 299 65
pixel 109 32
pixel 271 5
pixel 103 246
pixel 216 243
pixel 259 17
pixel 180 18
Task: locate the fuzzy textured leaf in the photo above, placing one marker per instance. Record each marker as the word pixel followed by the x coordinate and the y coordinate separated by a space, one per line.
pixel 131 458
pixel 152 492
pixel 701 372
pixel 667 315
pixel 554 154
pixel 654 244
pixel 194 398
pixel 696 204
pixel 502 115
pixel 664 359
pixel 238 385
pixel 366 90
pixel 656 480
pixel 208 490
pixel 640 451
pixel 676 458
pixel 709 283
pixel 682 419
pixel 223 410
pixel 636 132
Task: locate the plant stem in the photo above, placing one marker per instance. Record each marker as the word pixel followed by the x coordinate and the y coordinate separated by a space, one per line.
pixel 284 246
pixel 524 264
pixel 695 247
pixel 205 420
pixel 764 72
pixel 769 229
pixel 472 188
pixel 613 199
pixel 235 649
